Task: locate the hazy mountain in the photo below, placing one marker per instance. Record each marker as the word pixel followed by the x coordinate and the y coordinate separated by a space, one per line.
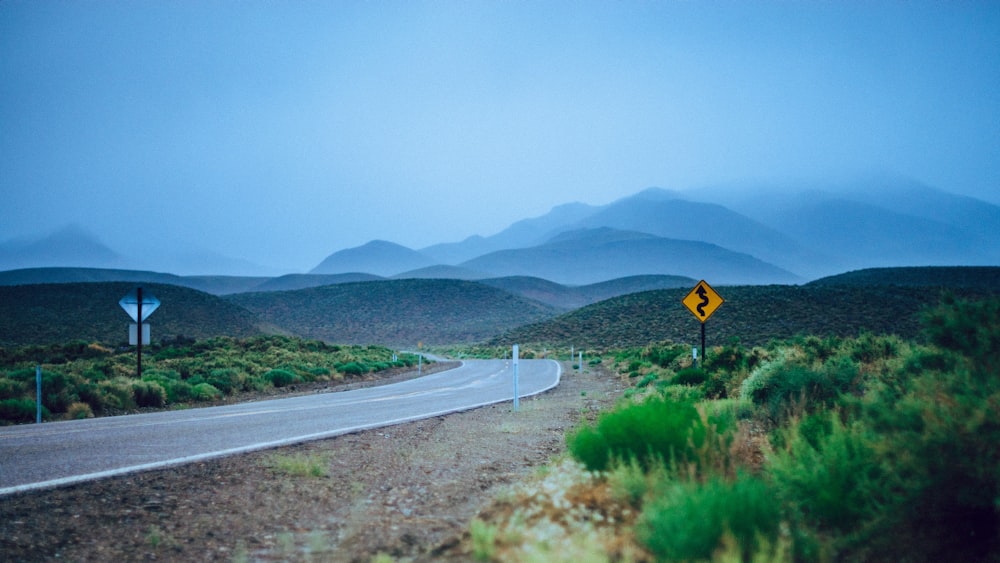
pixel 302 281
pixel 442 272
pixel 664 213
pixel 71 246
pixel 377 257
pixel 873 222
pixel 594 255
pixel 523 233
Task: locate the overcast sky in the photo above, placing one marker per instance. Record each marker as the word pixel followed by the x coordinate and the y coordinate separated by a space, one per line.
pixel 279 132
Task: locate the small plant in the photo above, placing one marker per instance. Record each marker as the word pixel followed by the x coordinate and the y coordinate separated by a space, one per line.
pixel 280 377
pixel 483 540
pixel 148 394
pixel 657 429
pixel 298 465
pixel 691 520
pixel 205 392
pixel 78 411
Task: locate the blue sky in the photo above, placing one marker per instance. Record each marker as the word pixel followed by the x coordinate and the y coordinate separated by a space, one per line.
pixel 279 132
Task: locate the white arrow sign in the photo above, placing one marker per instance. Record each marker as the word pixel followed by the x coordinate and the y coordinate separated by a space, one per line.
pixel 131 305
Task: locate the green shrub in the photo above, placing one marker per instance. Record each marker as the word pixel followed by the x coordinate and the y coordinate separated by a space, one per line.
pixel 352 368
pixel 785 387
pixel 117 393
pixel 91 394
pixel 831 473
pixel 689 520
pixel 690 376
pixel 20 410
pixel 79 411
pixel 148 394
pixel 205 392
pixel 11 389
pixel 280 377
pixel 57 391
pixel 178 391
pixel 227 380
pixel 657 429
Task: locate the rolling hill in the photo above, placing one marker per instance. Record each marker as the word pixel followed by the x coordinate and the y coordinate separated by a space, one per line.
pixel 378 257
pixel 572 297
pixel 57 313
pixel 843 305
pixel 396 312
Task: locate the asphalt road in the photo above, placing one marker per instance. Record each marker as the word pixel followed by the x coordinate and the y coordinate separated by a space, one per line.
pixel 60 453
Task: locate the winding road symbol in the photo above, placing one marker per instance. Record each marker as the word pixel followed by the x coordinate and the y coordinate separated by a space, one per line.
pixel 703 293
pixel 702 301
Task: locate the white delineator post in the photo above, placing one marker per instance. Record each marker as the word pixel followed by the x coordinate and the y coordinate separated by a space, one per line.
pixel 514 355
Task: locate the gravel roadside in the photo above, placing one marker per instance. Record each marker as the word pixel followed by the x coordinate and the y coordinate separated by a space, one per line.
pixel 408 491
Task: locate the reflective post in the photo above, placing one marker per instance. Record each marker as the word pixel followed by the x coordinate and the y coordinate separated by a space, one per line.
pixel 514 355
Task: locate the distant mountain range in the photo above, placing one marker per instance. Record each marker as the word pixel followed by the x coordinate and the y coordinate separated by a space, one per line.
pixel 726 235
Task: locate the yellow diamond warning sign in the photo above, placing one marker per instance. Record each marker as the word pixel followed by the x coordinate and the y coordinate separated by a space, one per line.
pixel 703 301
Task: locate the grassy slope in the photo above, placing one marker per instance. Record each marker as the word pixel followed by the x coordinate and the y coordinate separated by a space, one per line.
pixel 399 312
pixel 755 314
pixel 55 313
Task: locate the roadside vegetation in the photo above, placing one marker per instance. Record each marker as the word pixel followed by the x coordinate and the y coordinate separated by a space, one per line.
pixel 81 380
pixel 833 448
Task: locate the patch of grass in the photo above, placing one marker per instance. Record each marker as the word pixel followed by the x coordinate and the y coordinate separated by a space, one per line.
pixel 484 537
pixel 299 465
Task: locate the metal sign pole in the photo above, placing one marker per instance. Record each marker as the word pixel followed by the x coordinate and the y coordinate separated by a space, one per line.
pixel 38 394
pixel 703 343
pixel 138 363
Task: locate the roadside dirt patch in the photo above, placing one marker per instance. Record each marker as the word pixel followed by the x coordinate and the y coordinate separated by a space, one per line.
pixel 408 491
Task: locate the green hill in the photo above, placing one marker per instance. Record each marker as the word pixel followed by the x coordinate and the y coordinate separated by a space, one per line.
pixel 572 297
pixel 972 277
pixel 396 312
pixel 753 314
pixel 57 313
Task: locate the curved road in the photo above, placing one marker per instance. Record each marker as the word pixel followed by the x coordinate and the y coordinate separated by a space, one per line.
pixel 59 453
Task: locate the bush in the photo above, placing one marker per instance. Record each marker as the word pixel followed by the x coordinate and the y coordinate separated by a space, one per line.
pixel 280 377
pixel 20 410
pixel 689 520
pixel 79 411
pixel 830 473
pixel 352 368
pixel 226 380
pixel 785 387
pixel 148 394
pixel 118 393
pixel 657 429
pixel 690 376
pixel 205 392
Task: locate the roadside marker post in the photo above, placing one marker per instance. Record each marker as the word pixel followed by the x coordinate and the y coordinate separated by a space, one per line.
pixel 139 307
pixel 38 394
pixel 514 355
pixel 702 301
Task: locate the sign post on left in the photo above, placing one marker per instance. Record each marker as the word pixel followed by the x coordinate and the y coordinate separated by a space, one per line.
pixel 139 307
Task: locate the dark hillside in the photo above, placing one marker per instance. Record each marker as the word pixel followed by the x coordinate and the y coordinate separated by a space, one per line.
pixel 972 277
pixel 753 314
pixel 573 297
pixel 57 313
pixel 396 312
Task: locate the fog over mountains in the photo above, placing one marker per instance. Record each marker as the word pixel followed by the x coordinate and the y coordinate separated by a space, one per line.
pixel 729 235
pixel 758 236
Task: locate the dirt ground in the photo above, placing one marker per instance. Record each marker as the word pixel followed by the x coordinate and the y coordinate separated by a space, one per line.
pixel 407 491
